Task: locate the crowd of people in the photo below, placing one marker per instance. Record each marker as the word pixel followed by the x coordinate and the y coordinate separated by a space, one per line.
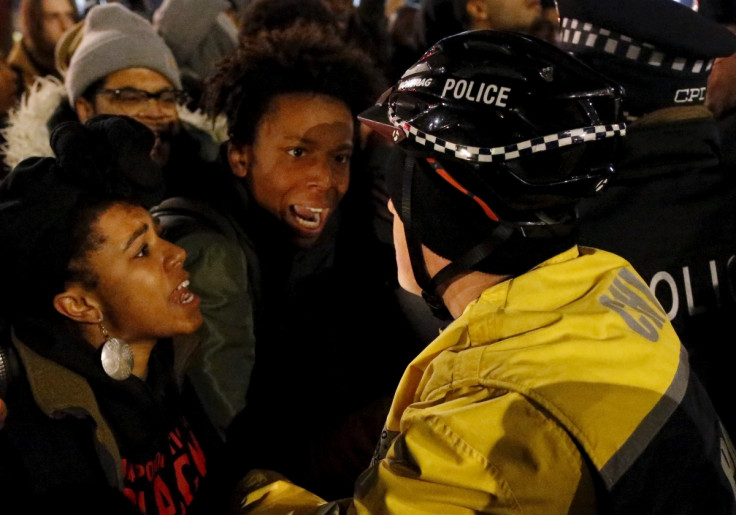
pixel 325 256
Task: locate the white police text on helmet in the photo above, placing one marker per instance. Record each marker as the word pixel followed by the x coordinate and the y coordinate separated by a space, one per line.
pixel 690 95
pixel 489 94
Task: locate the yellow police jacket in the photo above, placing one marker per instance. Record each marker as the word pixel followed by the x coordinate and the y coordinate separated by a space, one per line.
pixel 563 390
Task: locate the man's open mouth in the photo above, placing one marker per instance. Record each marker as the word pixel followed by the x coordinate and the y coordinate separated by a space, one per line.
pixel 309 217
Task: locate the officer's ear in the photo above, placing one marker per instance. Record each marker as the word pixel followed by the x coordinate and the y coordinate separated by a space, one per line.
pixel 239 157
pixel 477 9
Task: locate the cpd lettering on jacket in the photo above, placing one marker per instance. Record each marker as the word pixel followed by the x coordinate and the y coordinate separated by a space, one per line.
pixel 635 303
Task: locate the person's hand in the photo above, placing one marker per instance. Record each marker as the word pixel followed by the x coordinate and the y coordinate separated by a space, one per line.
pixel 3 413
pixel 267 491
pixel 720 96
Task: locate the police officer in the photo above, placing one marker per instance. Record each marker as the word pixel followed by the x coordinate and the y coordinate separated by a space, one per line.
pixel 560 386
pixel 670 208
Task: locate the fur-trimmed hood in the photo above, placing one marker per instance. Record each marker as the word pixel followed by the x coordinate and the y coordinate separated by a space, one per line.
pixel 27 131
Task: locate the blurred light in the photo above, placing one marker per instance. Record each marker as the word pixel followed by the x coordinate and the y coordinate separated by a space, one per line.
pixel 692 4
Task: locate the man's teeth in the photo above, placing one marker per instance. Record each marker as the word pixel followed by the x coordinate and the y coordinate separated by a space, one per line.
pixel 313 221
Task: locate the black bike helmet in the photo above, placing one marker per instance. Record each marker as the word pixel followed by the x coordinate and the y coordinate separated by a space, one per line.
pixel 501 134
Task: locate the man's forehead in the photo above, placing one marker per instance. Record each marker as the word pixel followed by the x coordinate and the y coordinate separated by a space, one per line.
pixel 141 78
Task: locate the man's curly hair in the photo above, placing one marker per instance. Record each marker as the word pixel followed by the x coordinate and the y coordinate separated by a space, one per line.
pixel 298 59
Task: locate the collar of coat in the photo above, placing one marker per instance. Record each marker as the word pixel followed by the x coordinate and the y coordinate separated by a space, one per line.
pixel 59 392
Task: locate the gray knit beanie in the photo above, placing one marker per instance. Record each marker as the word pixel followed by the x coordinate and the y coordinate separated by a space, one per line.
pixel 115 38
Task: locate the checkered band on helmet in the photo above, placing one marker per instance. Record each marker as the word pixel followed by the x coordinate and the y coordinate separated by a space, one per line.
pixel 507 152
pixel 586 35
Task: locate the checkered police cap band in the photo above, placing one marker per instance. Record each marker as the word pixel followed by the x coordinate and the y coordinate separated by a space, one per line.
pixel 507 152
pixel 585 35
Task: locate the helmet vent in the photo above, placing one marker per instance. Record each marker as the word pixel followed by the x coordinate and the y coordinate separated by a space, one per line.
pixel 601 184
pixel 547 73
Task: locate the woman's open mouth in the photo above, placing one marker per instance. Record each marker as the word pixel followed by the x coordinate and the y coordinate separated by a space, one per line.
pixel 181 295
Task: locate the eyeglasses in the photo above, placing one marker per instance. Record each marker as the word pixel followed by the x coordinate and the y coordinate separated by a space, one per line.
pixel 133 97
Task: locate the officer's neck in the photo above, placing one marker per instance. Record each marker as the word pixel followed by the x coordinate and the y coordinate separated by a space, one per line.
pixel 463 289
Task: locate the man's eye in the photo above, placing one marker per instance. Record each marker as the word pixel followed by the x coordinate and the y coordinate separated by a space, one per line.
pixel 296 152
pixel 144 251
pixel 127 95
pixel 343 158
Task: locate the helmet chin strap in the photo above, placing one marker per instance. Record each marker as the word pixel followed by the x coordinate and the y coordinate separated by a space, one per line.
pixel 416 257
pixel 434 287
pixel 421 275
